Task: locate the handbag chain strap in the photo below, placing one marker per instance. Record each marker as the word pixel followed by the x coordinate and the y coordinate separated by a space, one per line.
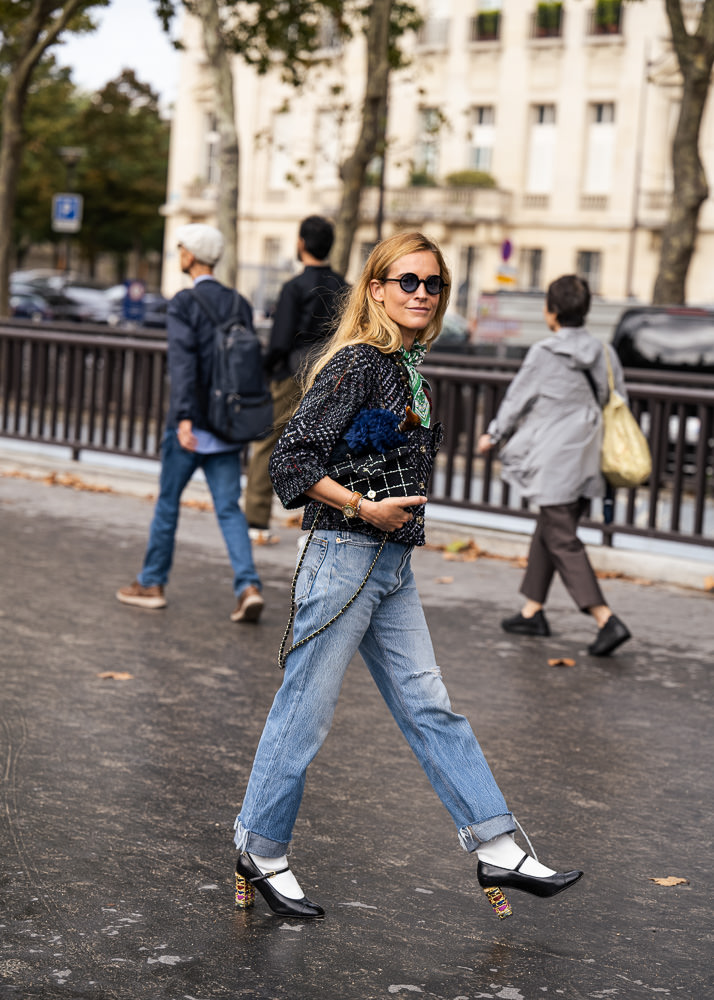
pixel 282 652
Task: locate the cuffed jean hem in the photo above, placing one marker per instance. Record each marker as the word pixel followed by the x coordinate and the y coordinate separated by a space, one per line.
pixel 472 837
pixel 255 844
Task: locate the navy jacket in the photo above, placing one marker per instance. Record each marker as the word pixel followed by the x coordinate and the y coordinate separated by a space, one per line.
pixel 191 335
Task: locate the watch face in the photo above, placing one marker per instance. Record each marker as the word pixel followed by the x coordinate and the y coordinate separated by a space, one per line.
pixel 348 510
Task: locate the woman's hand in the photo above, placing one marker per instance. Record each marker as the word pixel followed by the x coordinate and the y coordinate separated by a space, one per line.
pixel 391 513
pixel 485 443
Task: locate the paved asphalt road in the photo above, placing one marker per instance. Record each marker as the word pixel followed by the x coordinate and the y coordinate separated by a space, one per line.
pixel 118 796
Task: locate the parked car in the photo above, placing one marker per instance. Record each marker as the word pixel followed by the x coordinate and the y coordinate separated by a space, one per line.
pixel 71 298
pixel 675 338
pixel 27 304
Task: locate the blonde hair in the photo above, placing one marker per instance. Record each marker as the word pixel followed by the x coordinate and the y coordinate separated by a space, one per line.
pixel 364 320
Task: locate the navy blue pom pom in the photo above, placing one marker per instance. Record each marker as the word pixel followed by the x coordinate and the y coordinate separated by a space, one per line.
pixel 374 430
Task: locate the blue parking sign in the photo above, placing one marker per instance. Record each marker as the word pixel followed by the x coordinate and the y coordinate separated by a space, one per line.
pixel 67 213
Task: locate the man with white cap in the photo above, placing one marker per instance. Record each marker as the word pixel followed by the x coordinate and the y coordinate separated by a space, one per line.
pixel 187 443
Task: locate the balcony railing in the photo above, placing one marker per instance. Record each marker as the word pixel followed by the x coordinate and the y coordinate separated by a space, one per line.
pixel 453 205
pixel 434 33
pixel 547 21
pixel 605 18
pixel 486 26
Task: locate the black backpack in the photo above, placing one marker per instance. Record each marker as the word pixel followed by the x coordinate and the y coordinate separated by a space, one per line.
pixel 240 407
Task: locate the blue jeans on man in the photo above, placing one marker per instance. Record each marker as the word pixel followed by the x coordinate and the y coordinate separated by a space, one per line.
pixel 222 470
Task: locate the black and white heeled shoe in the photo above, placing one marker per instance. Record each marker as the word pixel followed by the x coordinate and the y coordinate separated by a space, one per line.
pixel 249 878
pixel 493 880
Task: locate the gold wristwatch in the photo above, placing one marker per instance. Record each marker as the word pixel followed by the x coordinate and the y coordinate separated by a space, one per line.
pixel 350 508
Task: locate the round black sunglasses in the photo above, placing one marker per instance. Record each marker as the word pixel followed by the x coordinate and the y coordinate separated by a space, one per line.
pixel 409 282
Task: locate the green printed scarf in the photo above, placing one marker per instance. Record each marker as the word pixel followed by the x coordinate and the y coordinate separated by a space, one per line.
pixel 411 360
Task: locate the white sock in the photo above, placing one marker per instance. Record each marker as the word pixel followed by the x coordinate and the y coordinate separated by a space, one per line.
pixel 505 853
pixel 286 883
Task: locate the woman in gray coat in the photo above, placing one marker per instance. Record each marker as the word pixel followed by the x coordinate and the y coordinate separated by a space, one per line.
pixel 551 423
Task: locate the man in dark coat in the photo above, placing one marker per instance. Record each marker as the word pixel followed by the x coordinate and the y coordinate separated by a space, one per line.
pixel 305 316
pixel 188 443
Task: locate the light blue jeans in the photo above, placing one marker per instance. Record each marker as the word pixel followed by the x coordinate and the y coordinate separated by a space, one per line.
pixel 386 625
pixel 222 472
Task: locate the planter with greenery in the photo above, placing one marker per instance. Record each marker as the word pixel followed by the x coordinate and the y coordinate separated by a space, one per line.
pixel 488 23
pixel 549 19
pixel 470 178
pixel 607 16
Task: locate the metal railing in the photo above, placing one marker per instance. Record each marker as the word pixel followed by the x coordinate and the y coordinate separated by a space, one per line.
pixel 103 391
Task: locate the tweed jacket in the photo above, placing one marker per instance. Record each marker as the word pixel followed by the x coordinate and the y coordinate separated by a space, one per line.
pixel 358 377
pixel 551 422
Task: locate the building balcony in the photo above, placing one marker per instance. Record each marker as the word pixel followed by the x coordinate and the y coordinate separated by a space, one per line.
pixel 196 199
pixel 547 21
pixel 485 27
pixel 452 206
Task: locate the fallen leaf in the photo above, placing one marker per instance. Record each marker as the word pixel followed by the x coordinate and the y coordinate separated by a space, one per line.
pixel 197 504
pixel 115 675
pixel 709 583
pixel 294 521
pixel 444 579
pixel 561 661
pixel 462 552
pixel 458 546
pixel 670 880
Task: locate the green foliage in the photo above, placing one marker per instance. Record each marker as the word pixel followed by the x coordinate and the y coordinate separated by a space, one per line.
pixel 471 178
pixel 549 17
pixel 51 118
pixel 289 33
pixel 421 178
pixel 123 173
pixel 488 23
pixel 607 14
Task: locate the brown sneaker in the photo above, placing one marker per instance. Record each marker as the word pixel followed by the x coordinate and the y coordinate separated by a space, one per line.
pixel 142 597
pixel 250 604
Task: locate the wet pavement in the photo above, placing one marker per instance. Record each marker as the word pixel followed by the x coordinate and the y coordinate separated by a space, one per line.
pixel 118 795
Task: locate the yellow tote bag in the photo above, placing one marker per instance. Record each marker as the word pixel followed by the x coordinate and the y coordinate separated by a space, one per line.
pixel 625 458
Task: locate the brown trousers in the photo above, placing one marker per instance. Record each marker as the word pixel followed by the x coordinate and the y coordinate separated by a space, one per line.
pixel 555 547
pixel 258 496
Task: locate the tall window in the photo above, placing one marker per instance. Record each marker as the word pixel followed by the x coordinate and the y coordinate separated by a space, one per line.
pixel 530 268
pixel 426 153
pixel 212 170
pixel 600 149
pixel 482 137
pixel 327 149
pixel 541 153
pixel 587 266
pixel 280 155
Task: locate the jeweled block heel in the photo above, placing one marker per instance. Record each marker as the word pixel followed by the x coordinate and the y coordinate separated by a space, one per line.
pixel 498 901
pixel 245 893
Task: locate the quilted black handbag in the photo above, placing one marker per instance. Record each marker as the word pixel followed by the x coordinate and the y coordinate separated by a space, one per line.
pixel 376 476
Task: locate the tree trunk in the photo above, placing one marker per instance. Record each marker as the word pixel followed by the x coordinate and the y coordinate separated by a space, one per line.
pixel 695 54
pixel 372 135
pixel 220 60
pixel 40 32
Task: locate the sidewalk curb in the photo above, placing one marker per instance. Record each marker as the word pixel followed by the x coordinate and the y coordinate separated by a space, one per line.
pixel 642 567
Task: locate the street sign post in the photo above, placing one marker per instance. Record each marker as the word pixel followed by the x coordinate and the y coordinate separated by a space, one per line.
pixel 67 213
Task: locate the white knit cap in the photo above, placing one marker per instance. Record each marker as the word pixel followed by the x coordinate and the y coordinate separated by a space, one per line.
pixel 204 242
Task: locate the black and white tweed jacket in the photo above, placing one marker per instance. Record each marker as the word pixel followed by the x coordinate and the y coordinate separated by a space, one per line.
pixel 358 377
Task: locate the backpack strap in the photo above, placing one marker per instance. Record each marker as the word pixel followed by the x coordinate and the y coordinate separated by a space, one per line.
pixel 211 312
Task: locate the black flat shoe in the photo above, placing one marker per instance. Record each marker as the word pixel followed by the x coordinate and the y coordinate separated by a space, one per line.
pixel 518 625
pixel 249 878
pixel 611 635
pixel 511 878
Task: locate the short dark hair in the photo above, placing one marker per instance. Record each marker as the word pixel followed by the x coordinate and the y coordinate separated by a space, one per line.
pixel 569 298
pixel 318 235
